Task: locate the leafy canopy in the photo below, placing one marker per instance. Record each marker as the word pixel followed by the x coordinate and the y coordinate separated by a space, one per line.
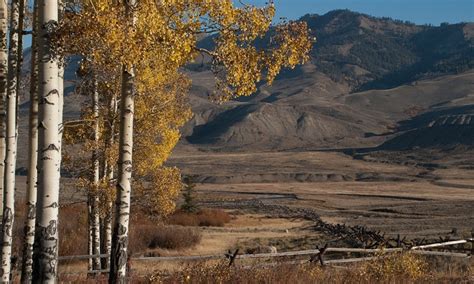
pixel 158 38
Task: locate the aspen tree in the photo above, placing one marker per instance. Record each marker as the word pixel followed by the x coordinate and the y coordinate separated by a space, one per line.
pixel 109 176
pixel 3 89
pixel 14 65
pixel 94 133
pixel 95 218
pixel 162 39
pixel 31 181
pixel 46 232
pixel 119 255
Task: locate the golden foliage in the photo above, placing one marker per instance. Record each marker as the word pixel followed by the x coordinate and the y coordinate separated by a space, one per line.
pixel 157 39
pixel 165 34
pixel 165 187
pixel 391 266
pixel 396 268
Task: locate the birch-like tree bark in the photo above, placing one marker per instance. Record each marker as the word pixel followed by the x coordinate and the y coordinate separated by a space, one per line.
pixel 14 64
pixel 109 174
pixel 107 236
pixel 96 179
pixel 119 256
pixel 3 90
pixel 31 180
pixel 61 68
pixel 46 234
pixel 90 237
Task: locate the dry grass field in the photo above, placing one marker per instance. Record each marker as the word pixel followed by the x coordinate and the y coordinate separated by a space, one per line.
pixel 410 200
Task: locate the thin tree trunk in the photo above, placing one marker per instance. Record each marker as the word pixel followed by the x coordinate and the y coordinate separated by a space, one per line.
pixel 31 187
pixel 62 64
pixel 90 235
pixel 96 178
pixel 3 90
pixel 109 175
pixel 46 235
pixel 107 236
pixel 119 256
pixel 14 63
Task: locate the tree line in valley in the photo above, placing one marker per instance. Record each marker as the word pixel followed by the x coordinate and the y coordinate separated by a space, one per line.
pixel 132 53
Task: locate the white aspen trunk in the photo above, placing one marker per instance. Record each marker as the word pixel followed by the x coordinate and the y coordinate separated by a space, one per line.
pixel 119 256
pixel 109 175
pixel 14 63
pixel 90 240
pixel 61 107
pixel 61 9
pixel 96 232
pixel 108 236
pixel 31 180
pixel 96 179
pixel 3 90
pixel 46 234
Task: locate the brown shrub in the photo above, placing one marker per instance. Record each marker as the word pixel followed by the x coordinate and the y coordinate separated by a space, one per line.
pixel 146 233
pixel 142 230
pixel 72 229
pixel 18 227
pixel 174 237
pixel 203 218
pixel 183 219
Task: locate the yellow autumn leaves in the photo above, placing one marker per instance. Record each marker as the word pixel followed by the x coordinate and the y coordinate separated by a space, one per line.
pixel 162 40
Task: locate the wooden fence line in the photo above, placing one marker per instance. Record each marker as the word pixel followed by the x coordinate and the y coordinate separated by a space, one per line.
pixel 79 257
pixel 449 243
pixel 415 249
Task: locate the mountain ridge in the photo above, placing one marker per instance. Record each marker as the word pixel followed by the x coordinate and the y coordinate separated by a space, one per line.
pixel 366 77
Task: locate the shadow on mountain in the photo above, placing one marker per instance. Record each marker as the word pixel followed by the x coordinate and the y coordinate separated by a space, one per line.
pixel 441 128
pixel 210 133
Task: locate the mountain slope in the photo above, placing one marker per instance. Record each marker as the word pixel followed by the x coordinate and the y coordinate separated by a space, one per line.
pixel 366 75
pixel 369 52
pixel 308 118
pixel 367 78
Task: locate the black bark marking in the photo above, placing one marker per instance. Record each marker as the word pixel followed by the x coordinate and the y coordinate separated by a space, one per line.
pixel 52 92
pixel 50 230
pixel 119 255
pixel 7 221
pixel 122 251
pixel 51 147
pixel 53 205
pixel 31 211
pixel 45 262
pixel 45 101
pixel 122 230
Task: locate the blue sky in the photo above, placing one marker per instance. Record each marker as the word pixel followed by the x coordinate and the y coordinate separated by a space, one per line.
pixel 417 11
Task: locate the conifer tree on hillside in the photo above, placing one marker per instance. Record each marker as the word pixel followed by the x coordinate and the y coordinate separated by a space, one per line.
pixel 189 204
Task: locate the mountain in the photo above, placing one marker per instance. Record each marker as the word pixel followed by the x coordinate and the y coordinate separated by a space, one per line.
pixel 372 82
pixel 366 75
pixel 369 52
